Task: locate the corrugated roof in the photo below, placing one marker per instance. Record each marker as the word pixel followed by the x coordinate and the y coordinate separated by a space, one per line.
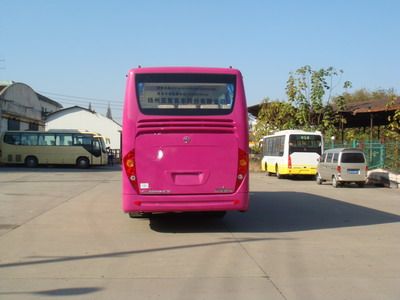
pixel 376 105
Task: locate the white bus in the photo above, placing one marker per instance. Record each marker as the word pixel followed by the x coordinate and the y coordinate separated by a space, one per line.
pixel 71 147
pixel 291 152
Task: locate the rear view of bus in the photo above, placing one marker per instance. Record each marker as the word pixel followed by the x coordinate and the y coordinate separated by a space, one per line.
pixel 184 141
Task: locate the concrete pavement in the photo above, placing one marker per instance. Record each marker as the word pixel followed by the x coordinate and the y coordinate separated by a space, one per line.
pixel 68 237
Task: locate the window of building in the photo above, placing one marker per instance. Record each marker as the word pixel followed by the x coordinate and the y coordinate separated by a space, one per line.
pixel 33 126
pixel 13 124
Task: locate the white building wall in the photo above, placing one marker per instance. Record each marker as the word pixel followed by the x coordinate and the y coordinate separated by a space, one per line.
pixel 48 107
pixel 79 118
pixel 3 125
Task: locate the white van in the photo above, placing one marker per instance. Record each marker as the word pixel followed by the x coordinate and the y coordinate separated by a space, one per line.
pixel 342 165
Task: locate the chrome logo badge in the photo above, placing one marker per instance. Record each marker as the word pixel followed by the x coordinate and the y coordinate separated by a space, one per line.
pixel 186 139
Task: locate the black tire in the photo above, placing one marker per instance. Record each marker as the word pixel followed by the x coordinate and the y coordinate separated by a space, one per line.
pixel 82 163
pixel 278 175
pixel 266 170
pixel 318 179
pixel 31 162
pixel 217 214
pixel 361 184
pixel 335 182
pixel 139 215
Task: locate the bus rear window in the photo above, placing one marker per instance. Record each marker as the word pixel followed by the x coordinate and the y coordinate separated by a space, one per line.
pixel 185 94
pixel 305 143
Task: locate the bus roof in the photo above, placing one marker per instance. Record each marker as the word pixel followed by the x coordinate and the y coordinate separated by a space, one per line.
pixel 294 131
pixel 202 70
pixel 54 131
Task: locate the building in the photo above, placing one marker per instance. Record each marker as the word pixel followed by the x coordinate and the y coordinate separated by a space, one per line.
pixel 21 108
pixel 77 117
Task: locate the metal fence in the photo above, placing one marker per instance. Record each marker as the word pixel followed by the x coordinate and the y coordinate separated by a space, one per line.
pixel 379 155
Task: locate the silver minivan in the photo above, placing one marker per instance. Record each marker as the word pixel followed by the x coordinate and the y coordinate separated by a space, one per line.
pixel 342 165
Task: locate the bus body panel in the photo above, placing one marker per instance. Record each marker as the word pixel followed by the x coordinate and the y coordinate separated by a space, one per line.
pixel 303 164
pixel 184 163
pixel 51 153
pixel 180 203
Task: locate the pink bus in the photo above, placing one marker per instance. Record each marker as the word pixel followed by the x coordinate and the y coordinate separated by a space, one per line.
pixel 185 141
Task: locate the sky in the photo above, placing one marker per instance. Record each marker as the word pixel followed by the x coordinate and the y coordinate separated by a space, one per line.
pixel 76 52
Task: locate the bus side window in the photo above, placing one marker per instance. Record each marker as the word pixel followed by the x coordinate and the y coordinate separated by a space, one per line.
pixel 82 140
pixel 41 140
pixel 64 139
pixel 29 139
pixel 49 139
pixel 12 138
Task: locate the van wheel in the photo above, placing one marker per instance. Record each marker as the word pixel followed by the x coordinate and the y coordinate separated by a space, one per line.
pixel 318 179
pixel 82 163
pixel 335 183
pixel 31 162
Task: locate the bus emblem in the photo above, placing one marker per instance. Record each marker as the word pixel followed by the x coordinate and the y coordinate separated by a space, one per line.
pixel 187 139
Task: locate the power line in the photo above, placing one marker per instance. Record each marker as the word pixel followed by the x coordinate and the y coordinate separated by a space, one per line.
pixel 80 102
pixel 80 97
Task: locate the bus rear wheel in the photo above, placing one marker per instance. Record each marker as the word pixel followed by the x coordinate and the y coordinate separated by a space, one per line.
pixel 82 163
pixel 139 215
pixel 266 170
pixel 31 162
pixel 278 175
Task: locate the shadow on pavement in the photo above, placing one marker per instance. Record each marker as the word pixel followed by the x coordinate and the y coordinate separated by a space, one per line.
pixel 58 292
pixel 122 254
pixel 277 212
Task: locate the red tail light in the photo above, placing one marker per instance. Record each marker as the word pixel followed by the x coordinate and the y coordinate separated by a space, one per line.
pixel 130 169
pixel 339 169
pixel 243 167
pixel 366 168
pixel 289 163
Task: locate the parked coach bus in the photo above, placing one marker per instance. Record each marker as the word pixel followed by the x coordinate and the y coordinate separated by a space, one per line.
pixel 69 147
pixel 185 141
pixel 291 152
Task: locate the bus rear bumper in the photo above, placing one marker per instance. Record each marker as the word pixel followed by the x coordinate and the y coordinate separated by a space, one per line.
pixel 298 171
pixel 181 203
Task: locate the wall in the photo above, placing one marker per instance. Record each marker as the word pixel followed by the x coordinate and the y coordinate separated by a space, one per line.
pixel 82 119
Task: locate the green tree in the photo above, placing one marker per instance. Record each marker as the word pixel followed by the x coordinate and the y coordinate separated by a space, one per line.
pixel 394 121
pixel 310 92
pixel 273 116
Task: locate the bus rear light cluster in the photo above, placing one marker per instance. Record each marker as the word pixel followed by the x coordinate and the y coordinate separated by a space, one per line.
pixel 289 162
pixel 243 166
pixel 130 169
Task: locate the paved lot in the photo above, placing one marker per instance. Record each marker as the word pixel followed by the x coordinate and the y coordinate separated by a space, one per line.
pixel 62 233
